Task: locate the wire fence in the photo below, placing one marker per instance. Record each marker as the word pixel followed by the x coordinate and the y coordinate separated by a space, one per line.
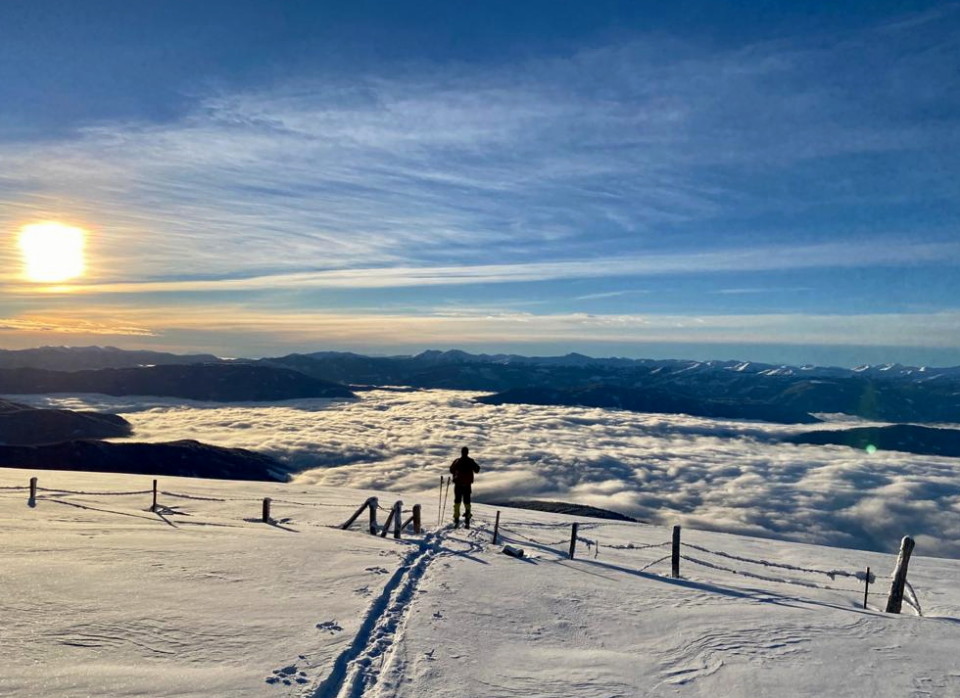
pixel 722 561
pixel 63 495
pixel 832 574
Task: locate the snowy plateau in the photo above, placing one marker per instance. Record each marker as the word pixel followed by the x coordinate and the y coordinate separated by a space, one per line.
pixel 102 597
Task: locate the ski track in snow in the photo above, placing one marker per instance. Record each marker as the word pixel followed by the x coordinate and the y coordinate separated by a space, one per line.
pixel 357 669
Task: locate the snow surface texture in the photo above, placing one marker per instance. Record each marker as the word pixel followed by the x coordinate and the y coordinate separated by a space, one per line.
pixel 709 474
pixel 103 597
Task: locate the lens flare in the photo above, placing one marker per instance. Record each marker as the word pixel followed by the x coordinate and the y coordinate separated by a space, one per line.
pixel 52 252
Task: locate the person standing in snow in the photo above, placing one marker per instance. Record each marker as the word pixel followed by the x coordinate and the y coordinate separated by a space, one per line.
pixel 462 470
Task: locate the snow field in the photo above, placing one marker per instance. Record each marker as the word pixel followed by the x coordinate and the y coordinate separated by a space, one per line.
pixel 103 597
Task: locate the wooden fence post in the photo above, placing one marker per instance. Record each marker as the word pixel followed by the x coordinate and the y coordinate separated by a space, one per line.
pixel 373 503
pixel 573 539
pixel 266 510
pixel 417 527
pixel 370 504
pixel 33 492
pixel 675 556
pixel 866 587
pixel 153 507
pixel 496 528
pixel 397 516
pixel 394 513
pixel 895 599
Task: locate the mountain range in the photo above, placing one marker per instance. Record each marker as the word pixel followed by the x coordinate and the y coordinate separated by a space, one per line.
pixel 889 392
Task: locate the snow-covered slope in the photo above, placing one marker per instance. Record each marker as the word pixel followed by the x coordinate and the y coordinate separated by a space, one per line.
pixel 102 597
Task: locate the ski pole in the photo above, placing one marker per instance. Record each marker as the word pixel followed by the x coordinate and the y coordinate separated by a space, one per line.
pixel 446 496
pixel 439 501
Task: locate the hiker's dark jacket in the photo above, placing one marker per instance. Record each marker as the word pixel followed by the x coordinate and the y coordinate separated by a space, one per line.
pixel 463 469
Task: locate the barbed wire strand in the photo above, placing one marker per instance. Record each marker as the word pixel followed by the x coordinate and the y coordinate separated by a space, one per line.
pixel 753 575
pixel 649 565
pixel 57 490
pixel 534 540
pixel 193 496
pixel 632 547
pixel 766 563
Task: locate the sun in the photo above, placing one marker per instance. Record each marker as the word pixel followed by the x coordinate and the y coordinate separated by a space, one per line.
pixel 52 252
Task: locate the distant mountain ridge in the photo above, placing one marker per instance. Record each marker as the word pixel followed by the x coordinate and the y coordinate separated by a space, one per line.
pixel 240 382
pixel 22 425
pixel 888 392
pixel 616 397
pixel 92 358
pixel 176 458
pixel 908 438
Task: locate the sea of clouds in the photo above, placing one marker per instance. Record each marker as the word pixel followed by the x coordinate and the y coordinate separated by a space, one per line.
pixel 712 474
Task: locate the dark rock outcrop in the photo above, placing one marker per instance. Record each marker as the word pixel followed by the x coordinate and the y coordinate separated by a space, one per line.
pixel 568 508
pixel 175 458
pixel 910 438
pixel 22 425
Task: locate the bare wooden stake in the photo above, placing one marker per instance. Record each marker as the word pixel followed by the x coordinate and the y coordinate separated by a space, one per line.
pixel 895 599
pixel 390 517
pixel 675 556
pixel 866 587
pixel 373 514
pixel 496 528
pixel 153 507
pixel 33 492
pixel 266 510
pixel 573 539
pixel 372 504
pixel 397 515
pixel 417 525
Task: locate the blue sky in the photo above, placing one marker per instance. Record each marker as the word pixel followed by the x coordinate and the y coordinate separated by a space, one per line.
pixel 769 181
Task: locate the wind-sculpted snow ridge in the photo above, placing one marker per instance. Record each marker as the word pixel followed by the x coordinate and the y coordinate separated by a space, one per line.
pixel 723 475
pixel 202 598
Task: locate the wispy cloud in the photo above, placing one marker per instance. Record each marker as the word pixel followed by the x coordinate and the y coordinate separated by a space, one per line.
pixel 237 328
pixel 637 160
pixel 831 255
pixel 760 290
pixel 461 166
pixel 609 294
pixel 57 325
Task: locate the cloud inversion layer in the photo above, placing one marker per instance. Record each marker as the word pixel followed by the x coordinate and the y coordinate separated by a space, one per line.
pixel 719 475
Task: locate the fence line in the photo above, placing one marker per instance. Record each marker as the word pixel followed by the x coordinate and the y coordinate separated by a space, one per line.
pixel 631 546
pixel 57 490
pixel 910 595
pixel 833 574
pixel 534 540
pixel 194 496
pixel 302 504
pixel 763 577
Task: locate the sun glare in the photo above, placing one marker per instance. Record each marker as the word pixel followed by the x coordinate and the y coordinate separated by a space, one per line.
pixel 52 252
